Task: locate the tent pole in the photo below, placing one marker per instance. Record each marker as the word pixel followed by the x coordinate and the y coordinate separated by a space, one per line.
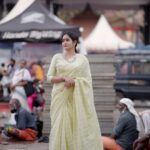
pixel 1 8
pixel 51 6
pixel 47 2
pixel 12 51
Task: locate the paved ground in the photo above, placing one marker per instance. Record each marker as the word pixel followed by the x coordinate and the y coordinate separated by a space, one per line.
pixel 25 146
pixel 21 145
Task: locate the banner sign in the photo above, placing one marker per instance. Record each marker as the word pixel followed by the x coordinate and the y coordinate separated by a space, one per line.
pixel 37 35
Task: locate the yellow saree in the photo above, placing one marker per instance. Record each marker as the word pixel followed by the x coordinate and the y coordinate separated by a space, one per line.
pixel 74 123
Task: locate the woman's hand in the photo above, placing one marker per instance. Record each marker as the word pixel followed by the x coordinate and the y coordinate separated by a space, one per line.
pixel 69 82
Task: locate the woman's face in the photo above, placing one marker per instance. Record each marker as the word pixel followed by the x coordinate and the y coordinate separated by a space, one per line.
pixel 67 43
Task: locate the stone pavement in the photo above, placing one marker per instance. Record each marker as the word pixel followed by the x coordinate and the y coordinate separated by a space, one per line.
pixel 25 146
pixel 20 145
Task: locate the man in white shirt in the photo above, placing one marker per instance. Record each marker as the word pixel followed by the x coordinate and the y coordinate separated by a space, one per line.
pixel 20 79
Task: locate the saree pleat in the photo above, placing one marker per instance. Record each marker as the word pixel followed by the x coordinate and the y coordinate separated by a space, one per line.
pixel 61 116
pixel 74 123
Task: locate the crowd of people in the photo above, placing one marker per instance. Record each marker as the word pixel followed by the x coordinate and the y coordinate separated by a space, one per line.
pixel 17 78
pixel 22 87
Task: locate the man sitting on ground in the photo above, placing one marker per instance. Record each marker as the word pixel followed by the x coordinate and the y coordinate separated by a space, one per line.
pixel 127 128
pixel 25 123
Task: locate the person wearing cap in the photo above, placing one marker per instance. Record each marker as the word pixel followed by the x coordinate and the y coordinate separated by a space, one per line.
pixel 127 128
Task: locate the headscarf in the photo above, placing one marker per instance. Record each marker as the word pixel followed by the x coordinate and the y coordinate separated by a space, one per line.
pixel 130 105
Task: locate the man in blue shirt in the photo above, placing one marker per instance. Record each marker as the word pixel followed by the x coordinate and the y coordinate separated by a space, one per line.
pixel 126 130
pixel 25 128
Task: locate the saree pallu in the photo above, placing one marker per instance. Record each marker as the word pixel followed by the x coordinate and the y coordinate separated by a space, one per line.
pixel 74 123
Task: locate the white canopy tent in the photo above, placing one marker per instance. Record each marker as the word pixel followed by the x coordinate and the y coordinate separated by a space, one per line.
pixel 104 39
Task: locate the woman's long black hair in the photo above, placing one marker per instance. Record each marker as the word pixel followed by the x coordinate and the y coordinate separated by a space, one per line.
pixel 73 37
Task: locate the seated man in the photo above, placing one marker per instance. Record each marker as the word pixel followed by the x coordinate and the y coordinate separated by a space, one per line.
pixel 126 130
pixel 142 143
pixel 25 128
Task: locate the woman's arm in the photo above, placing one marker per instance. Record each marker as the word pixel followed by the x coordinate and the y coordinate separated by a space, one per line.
pixel 51 75
pixel 57 79
pixel 69 82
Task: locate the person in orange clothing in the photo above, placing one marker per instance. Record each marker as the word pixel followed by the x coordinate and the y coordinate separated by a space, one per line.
pixel 37 71
pixel 25 128
pixel 110 144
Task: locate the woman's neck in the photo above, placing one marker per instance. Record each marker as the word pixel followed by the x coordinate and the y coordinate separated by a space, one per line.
pixel 69 53
pixel 69 56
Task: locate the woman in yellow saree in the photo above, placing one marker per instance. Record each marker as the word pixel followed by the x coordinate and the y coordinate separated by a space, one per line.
pixel 74 123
